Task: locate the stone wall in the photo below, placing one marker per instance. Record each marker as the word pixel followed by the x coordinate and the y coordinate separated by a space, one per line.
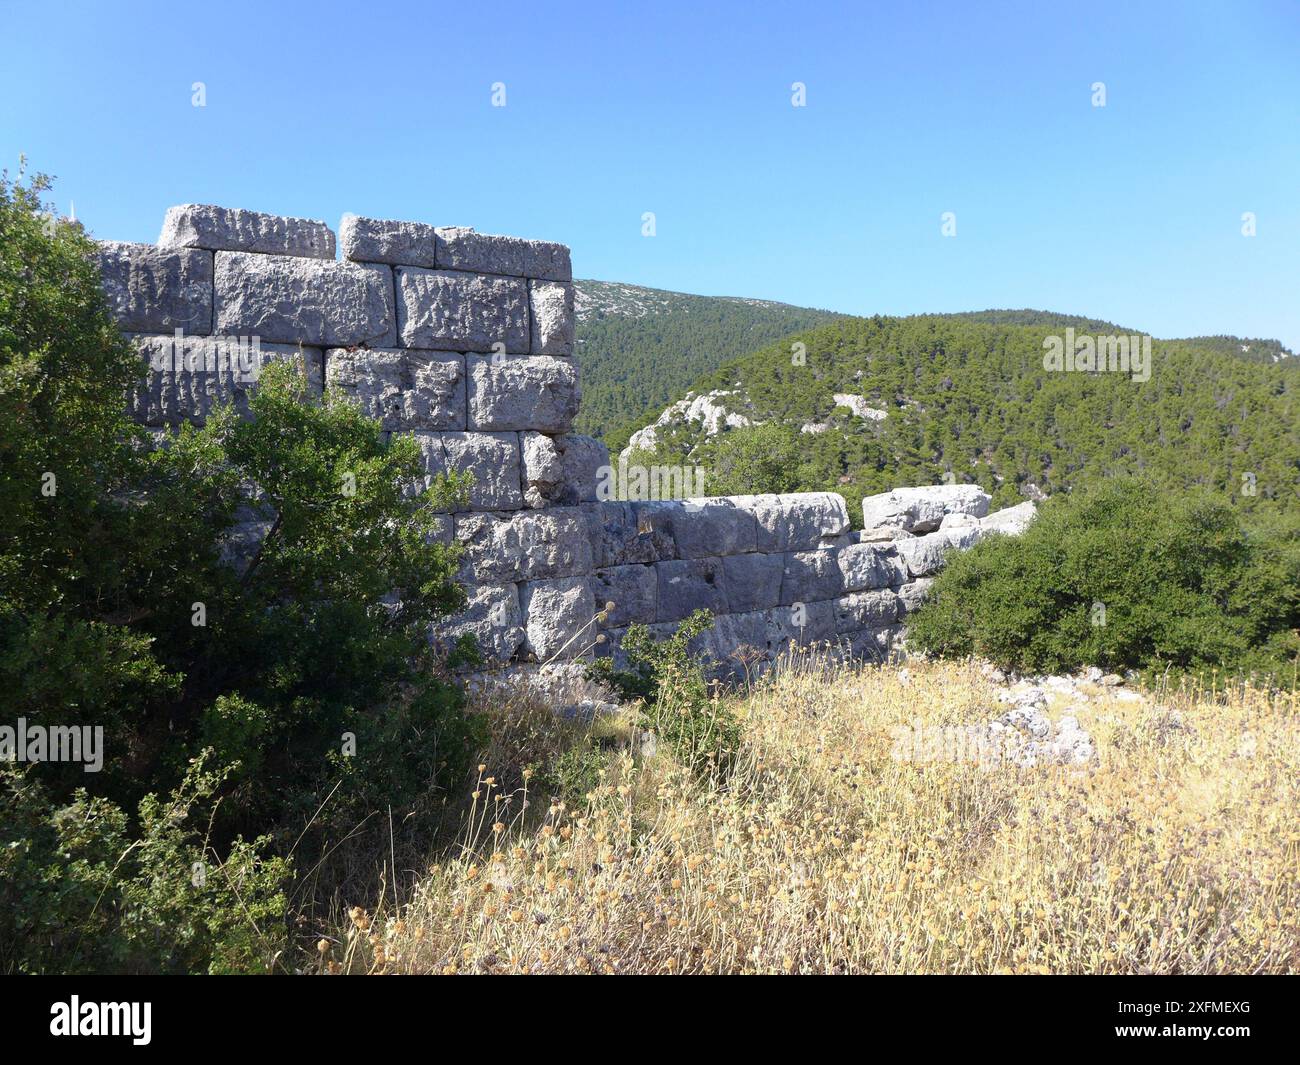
pixel 465 341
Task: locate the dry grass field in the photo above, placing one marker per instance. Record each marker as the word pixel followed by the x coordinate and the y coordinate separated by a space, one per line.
pixel 1176 850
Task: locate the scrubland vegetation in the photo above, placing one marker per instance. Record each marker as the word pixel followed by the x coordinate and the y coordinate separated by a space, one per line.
pixel 818 852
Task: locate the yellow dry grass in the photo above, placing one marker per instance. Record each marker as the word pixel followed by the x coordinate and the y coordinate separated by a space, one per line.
pixel 1177 851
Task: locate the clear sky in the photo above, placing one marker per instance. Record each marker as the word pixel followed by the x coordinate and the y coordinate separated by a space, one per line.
pixel 1130 212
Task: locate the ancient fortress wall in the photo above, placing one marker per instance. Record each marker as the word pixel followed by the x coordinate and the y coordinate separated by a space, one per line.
pixel 466 342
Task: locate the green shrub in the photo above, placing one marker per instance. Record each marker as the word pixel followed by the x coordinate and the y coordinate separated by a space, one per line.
pixel 1124 576
pixel 303 674
pixel 673 694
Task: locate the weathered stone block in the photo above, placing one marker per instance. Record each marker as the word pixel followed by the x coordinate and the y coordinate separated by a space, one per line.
pixel 552 317
pixel 810 576
pixel 865 610
pixel 865 566
pixel 619 536
pixel 586 462
pixel 433 458
pixel 924 555
pixel 185 379
pixel 753 581
pixel 404 389
pixel 543 469
pixel 152 289
pixel 493 459
pixel 375 240
pixel 530 545
pixel 689 585
pixel 803 623
pixel 913 594
pixel 461 312
pixel 920 510
pixel 558 617
pixel 461 248
pixel 538 393
pixel 796 521
pixel 704 527
pixel 493 617
pixel 285 299
pixel 634 591
pixel 1010 520
pixel 192 225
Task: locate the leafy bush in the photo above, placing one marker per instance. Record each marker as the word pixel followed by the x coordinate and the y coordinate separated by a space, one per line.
pixel 256 594
pixel 675 702
pixel 1124 576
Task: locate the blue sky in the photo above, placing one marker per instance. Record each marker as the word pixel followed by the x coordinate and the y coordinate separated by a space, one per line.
pixel 1129 212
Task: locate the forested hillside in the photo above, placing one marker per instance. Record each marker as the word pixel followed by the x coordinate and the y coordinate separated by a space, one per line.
pixel 966 397
pixel 642 347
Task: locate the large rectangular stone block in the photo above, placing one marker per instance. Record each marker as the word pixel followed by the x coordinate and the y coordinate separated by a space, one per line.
pixel 924 555
pixel 866 610
pixel 753 581
pixel 285 299
pixel 374 240
pixel 185 379
pixel 193 225
pixel 559 618
pixel 810 576
pixel 866 566
pixel 493 459
pixel 157 290
pixel 617 537
pixel 529 545
pixel 461 248
pixel 797 521
pixel 537 393
pixel 454 311
pixel 704 527
pixel 403 388
pixel 920 510
pixel 688 585
pixel 634 591
pixel 492 617
pixel 551 304
pixel 560 469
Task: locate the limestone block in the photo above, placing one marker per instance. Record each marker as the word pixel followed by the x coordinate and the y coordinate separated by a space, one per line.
pixel 543 469
pixel 810 576
pixel 924 555
pixel 753 581
pixel 551 303
pixel 461 248
pixel 529 545
pixel 1010 520
pixel 618 535
pixel 454 311
pixel 433 458
pixel 920 510
pixel 796 521
pixel 403 389
pixel 493 459
pixel 634 591
pixel 194 225
pixel 866 610
pixel 285 299
pixel 558 617
pixel 804 623
pixel 156 290
pixel 493 617
pixel 538 393
pixel 688 585
pixel 913 594
pixel 704 527
pixel 586 461
pixel 375 240
pixel 866 566
pixel 184 380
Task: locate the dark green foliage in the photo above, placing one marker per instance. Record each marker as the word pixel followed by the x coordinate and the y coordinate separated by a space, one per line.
pixel 1124 576
pixel 970 398
pixel 640 347
pixel 312 694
